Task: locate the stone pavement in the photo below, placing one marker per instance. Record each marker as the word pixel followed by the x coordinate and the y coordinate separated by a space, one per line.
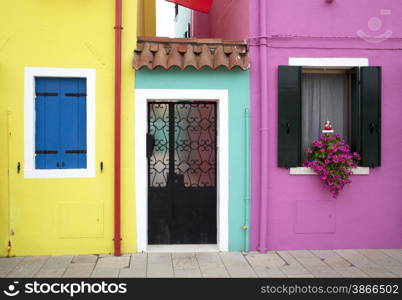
pixel 295 263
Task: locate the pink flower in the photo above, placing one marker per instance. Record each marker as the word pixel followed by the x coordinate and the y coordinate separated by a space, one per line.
pixel 318 144
pixel 331 159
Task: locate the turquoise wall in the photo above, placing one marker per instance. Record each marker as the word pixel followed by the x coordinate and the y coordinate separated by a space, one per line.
pixel 237 84
pixel 181 22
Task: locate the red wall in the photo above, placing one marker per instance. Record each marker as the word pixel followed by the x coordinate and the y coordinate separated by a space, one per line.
pixel 228 19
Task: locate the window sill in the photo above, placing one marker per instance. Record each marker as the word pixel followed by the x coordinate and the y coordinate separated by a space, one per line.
pixel 59 173
pixel 308 171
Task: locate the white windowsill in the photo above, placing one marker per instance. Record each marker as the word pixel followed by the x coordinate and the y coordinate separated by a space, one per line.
pixel 308 171
pixel 59 173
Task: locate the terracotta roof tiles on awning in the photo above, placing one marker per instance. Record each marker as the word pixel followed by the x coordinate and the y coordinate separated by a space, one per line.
pixel 154 52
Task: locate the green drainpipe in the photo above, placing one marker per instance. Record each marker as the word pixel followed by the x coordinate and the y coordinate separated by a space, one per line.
pixel 247 197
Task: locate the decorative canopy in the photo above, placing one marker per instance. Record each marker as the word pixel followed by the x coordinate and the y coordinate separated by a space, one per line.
pixel 154 52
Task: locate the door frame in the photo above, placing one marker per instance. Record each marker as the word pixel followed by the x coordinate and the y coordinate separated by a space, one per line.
pixel 142 96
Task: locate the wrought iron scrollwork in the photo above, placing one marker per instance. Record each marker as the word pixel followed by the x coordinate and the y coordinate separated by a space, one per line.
pixel 194 144
pixel 159 128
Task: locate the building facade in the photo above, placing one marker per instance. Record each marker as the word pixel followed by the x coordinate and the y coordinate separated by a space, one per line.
pixel 299 49
pixel 213 129
pixel 193 165
pixel 57 61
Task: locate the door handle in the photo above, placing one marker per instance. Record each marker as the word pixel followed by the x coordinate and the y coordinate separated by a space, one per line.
pixel 372 127
pixel 176 180
pixel 150 144
pixel 287 127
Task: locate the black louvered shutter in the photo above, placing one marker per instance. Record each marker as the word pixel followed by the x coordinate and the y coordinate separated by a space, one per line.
pixel 355 111
pixel 289 116
pixel 370 116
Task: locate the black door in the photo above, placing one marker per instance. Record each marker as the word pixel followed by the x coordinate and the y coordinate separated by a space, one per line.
pixel 182 173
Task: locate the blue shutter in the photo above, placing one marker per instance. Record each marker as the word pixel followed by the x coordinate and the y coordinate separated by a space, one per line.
pixel 60 126
pixel 82 123
pixel 47 129
pixel 73 123
pixel 68 123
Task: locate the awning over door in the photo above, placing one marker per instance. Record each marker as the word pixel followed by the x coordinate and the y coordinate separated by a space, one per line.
pixel 154 52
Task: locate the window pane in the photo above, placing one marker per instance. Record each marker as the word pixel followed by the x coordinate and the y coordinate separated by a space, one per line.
pixel 159 128
pixel 195 143
pixel 324 97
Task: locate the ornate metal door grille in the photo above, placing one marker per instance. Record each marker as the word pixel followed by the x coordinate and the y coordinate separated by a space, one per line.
pixel 182 172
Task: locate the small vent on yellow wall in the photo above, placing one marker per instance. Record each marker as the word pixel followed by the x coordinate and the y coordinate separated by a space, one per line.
pixel 73 215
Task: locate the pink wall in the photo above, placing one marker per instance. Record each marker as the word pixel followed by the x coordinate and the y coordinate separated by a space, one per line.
pixel 228 19
pixel 339 18
pixel 199 25
pixel 300 213
pixel 368 213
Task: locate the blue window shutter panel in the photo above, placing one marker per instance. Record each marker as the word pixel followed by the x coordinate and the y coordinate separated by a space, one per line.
pixel 73 123
pixel 52 128
pixel 69 123
pixel 40 159
pixel 47 137
pixel 60 125
pixel 82 123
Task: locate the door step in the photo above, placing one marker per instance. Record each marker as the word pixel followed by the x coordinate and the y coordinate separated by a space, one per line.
pixel 183 248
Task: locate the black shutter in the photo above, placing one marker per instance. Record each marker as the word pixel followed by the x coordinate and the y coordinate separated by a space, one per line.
pixel 370 114
pixel 289 116
pixel 355 121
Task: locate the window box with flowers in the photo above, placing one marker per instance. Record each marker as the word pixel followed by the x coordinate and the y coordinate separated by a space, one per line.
pixel 349 97
pixel 331 159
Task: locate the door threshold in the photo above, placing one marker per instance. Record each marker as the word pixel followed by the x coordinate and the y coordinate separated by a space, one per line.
pixel 183 248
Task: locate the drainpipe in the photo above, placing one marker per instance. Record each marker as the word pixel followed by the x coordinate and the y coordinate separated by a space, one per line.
pixel 117 128
pixel 247 197
pixel 9 174
pixel 264 127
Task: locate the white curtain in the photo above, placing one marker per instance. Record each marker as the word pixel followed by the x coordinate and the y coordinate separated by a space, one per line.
pixel 324 97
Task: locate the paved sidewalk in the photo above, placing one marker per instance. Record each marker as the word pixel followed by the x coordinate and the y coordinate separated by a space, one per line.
pixel 297 263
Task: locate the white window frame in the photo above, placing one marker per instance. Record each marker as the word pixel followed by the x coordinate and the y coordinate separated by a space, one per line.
pixel 142 96
pixel 328 62
pixel 30 73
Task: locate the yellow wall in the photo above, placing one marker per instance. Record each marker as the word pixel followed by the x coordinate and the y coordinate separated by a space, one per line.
pixel 65 34
pixel 147 18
